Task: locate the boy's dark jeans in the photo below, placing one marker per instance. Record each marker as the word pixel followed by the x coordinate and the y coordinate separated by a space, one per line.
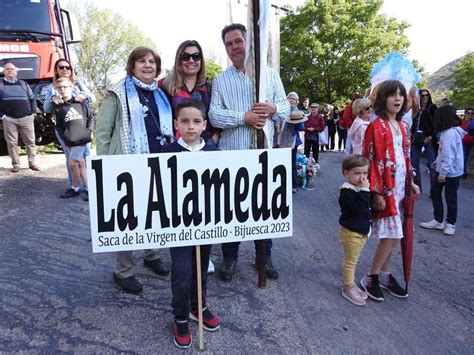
pixel 183 279
pixel 451 195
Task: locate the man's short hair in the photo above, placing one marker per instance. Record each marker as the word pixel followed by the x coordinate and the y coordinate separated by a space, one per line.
pixel 189 102
pixel 233 27
pixel 352 161
pixel 9 62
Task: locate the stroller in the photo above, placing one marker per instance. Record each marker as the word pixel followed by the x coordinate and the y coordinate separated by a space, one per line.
pixel 306 171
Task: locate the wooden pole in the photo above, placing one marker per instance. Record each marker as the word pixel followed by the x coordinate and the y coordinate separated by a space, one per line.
pixel 261 253
pixel 199 295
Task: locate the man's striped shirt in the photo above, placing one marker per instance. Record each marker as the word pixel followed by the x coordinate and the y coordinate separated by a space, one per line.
pixel 232 96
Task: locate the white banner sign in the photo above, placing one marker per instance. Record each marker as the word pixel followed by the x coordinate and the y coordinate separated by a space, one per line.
pixel 172 200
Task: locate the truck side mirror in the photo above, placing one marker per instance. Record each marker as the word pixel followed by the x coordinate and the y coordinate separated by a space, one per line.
pixel 71 25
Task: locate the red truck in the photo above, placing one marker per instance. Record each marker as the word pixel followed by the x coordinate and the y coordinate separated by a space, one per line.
pixel 34 34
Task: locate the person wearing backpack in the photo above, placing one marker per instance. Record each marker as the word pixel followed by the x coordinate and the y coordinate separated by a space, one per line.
pixel 17 109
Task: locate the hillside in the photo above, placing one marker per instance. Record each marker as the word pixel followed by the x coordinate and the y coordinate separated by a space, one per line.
pixel 440 80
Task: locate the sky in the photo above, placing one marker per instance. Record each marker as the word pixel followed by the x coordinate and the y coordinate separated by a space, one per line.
pixel 440 31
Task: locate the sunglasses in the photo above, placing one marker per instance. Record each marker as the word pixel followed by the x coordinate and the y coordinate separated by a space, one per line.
pixel 368 108
pixel 425 95
pixel 185 57
pixel 469 113
pixel 314 106
pixel 62 67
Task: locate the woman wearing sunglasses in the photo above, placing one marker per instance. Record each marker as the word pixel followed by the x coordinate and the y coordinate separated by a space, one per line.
pixel 188 79
pixel 80 93
pixel 423 134
pixel 64 69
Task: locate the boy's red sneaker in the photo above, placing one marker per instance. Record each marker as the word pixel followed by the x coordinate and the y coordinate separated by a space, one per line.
pixel 181 334
pixel 210 322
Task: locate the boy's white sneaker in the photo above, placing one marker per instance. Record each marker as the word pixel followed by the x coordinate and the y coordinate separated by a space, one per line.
pixel 432 225
pixel 450 229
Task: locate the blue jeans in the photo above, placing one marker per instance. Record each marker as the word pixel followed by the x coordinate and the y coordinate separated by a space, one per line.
pixel 231 250
pixel 183 279
pixel 415 161
pixel 450 194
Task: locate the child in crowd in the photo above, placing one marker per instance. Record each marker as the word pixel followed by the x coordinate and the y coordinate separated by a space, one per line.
pixel 387 146
pixel 74 122
pixel 449 168
pixel 190 122
pixel 355 222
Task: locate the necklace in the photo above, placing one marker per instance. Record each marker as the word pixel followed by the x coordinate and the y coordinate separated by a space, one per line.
pixel 147 97
pixel 395 128
pixel 150 112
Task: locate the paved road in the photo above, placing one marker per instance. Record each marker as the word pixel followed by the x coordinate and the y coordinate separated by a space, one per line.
pixel 56 296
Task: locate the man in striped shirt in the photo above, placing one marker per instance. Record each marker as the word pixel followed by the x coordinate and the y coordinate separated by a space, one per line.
pixel 233 110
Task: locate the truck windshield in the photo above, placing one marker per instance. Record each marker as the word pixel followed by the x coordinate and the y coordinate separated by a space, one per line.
pixel 25 16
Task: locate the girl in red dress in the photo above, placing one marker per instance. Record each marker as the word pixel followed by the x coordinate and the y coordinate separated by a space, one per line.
pixel 387 146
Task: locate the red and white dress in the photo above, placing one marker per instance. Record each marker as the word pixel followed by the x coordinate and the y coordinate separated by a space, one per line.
pixel 389 157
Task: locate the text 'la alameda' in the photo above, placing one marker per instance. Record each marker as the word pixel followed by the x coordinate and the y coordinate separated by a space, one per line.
pixel 186 211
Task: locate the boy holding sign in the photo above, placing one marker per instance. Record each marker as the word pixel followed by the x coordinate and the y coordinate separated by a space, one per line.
pixel 190 122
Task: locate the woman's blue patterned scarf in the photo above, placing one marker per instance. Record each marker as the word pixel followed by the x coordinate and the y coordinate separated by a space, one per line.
pixel 138 135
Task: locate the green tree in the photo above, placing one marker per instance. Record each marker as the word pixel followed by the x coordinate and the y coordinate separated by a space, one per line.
pixel 212 68
pixel 424 75
pixel 107 40
pixel 463 84
pixel 328 47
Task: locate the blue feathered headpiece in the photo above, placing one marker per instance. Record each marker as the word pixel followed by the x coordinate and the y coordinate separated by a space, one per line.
pixel 395 66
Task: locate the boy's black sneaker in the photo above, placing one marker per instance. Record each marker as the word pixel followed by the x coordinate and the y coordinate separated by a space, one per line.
pixel 209 321
pixel 392 286
pixel 69 193
pixel 370 284
pixel 182 337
